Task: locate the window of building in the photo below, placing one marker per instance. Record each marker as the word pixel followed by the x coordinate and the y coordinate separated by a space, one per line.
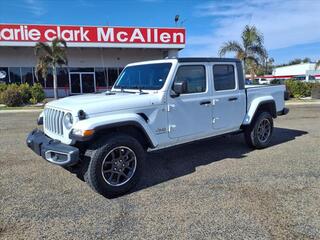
pixel 113 74
pixel 63 77
pixel 27 75
pixel 101 78
pixel 49 79
pixel 194 75
pixel 38 78
pixel 81 69
pixel 223 77
pixel 15 75
pixel 4 74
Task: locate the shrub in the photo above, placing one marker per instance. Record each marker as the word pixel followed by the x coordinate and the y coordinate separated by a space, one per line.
pixel 12 96
pixel 3 87
pixel 25 90
pixel 315 91
pixel 298 88
pixel 37 93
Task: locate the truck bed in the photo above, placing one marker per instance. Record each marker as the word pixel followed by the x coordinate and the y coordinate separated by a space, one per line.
pixel 264 91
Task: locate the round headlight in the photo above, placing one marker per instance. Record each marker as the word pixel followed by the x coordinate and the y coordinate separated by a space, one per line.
pixel 68 121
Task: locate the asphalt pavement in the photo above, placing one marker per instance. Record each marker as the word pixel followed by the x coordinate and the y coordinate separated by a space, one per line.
pixel 214 189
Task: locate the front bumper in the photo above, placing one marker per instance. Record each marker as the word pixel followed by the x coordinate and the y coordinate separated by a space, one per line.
pixel 52 150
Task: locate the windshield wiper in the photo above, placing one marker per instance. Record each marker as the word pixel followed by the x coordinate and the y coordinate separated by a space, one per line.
pixel 122 90
pixel 140 89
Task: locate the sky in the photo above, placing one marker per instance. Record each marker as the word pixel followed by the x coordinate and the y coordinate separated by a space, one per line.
pixel 290 27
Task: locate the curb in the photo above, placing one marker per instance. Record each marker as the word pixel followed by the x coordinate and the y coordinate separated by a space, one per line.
pixel 302 103
pixel 20 111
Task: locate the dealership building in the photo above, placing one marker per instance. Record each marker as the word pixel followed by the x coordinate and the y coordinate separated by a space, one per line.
pixel 96 54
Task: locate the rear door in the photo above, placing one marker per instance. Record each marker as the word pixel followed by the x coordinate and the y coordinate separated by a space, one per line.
pixel 190 113
pixel 229 101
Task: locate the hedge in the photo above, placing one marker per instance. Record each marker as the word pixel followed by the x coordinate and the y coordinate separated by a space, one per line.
pixel 299 89
pixel 14 95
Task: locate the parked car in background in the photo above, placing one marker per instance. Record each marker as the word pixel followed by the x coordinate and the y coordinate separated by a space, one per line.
pixel 153 105
pixel 264 81
pixel 249 82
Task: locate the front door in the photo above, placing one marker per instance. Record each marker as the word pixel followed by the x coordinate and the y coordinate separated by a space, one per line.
pixel 82 83
pixel 190 114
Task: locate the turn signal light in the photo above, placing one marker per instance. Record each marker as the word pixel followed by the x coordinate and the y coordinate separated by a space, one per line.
pixel 82 133
pixel 86 133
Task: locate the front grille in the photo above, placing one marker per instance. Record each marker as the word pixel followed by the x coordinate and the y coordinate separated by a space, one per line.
pixel 53 120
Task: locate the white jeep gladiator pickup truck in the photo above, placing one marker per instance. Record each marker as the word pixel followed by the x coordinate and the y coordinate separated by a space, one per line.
pixel 104 137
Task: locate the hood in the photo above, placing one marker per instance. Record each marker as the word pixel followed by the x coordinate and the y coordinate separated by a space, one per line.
pixel 101 102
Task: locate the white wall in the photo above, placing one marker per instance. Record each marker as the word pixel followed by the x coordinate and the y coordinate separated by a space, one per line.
pixel 297 69
pixel 84 57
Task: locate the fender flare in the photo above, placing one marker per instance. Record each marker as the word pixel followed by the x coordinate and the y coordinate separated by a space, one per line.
pixel 254 106
pixel 113 121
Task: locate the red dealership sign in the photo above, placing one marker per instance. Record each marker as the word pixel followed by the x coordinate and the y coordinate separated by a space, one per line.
pixel 92 36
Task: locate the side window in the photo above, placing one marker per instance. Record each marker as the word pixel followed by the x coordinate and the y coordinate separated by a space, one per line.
pixel 223 77
pixel 194 75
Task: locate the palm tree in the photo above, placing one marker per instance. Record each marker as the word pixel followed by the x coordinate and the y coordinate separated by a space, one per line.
pixel 51 56
pixel 250 50
pixel 269 64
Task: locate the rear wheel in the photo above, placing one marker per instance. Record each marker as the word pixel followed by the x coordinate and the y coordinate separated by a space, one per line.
pixel 259 133
pixel 115 166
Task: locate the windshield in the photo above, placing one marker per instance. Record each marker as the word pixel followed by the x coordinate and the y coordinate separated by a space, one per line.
pixel 148 76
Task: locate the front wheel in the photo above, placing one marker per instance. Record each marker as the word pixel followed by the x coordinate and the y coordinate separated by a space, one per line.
pixel 259 133
pixel 115 166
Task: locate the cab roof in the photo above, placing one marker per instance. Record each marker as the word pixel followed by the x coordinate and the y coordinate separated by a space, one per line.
pixel 206 59
pixel 186 60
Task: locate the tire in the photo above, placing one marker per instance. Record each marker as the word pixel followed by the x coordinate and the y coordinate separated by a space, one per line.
pixel 107 167
pixel 254 136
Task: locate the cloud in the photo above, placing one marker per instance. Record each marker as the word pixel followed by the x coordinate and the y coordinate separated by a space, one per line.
pixel 35 7
pixel 284 23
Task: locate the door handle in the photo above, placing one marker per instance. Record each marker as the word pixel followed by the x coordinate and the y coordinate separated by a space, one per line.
pixel 205 102
pixel 233 99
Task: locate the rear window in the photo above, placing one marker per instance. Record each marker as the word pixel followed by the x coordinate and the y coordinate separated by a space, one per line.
pixel 223 77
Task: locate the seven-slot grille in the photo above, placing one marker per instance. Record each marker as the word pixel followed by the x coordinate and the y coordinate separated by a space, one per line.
pixel 53 120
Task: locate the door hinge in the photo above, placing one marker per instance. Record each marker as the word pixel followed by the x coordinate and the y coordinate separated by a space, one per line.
pixel 214 120
pixel 170 106
pixel 172 127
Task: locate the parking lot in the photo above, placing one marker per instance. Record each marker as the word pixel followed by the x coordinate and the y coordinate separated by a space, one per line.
pixel 214 189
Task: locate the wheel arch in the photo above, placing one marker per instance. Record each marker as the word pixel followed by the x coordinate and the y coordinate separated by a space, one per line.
pixel 266 104
pixel 131 128
pixel 130 123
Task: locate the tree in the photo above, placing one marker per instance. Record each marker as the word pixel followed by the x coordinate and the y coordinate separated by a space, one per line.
pixel 295 61
pixel 250 50
pixel 269 65
pixel 51 56
pixel 306 60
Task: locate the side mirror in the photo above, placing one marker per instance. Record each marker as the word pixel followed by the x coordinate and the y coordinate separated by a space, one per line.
pixel 179 88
